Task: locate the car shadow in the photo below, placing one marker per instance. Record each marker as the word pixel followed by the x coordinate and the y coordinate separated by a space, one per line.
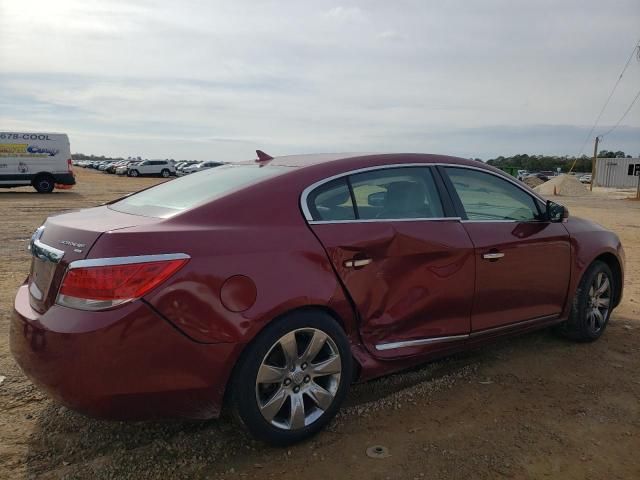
pixel 68 444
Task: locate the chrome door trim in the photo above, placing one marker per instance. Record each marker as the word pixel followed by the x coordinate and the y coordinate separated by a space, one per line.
pixel 453 338
pixel 491 330
pixel 305 193
pixel 103 262
pixel 420 342
pixel 42 250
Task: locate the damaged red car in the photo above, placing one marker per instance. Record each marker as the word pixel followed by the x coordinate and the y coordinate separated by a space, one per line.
pixel 270 286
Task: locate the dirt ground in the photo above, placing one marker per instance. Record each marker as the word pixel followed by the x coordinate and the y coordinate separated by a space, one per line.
pixel 536 406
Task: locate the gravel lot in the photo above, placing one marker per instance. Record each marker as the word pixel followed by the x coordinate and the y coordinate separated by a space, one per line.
pixel 532 407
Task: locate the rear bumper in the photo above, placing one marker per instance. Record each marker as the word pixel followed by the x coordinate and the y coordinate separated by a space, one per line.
pixel 64 178
pixel 126 363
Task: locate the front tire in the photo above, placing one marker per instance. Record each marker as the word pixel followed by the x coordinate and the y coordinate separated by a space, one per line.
pixel 592 304
pixel 133 173
pixel 165 173
pixel 293 378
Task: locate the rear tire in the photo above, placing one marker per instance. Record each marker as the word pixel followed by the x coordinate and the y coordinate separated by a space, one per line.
pixel 592 304
pixel 285 396
pixel 44 183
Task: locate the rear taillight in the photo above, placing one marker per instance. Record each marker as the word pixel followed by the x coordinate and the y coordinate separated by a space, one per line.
pixel 104 283
pixel 69 165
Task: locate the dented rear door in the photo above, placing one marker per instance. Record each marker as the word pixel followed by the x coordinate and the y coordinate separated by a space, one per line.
pixel 411 279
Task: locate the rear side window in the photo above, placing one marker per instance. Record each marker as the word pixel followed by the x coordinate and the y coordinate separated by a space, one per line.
pixel 175 196
pixel 386 194
pixel 396 194
pixel 488 197
pixel 331 202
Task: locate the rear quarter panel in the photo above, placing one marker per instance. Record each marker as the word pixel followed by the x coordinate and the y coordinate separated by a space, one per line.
pixel 259 234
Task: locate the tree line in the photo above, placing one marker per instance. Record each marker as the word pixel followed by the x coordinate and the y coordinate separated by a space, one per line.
pixel 535 163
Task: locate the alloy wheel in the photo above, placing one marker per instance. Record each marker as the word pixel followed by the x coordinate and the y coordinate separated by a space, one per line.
pixel 598 301
pixel 298 379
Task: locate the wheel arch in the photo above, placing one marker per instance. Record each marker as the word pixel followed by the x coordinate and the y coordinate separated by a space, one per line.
pixel 305 308
pixel 41 174
pixel 613 263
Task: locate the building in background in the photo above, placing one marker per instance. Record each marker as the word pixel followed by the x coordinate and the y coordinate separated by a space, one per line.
pixel 617 172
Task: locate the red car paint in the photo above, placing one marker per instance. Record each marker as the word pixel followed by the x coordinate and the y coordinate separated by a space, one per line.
pixel 254 257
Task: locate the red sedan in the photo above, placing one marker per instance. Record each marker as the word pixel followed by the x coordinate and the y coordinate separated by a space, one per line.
pixel 271 286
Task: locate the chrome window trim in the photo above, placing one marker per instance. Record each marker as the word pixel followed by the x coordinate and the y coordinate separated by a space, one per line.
pixel 103 262
pixel 378 220
pixel 420 342
pixel 313 186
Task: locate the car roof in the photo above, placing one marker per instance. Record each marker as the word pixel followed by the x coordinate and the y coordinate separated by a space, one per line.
pixel 363 160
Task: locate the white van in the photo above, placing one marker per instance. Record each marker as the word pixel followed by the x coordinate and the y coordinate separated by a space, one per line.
pixel 42 160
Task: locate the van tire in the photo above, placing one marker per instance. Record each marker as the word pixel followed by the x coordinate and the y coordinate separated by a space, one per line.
pixel 133 173
pixel 165 173
pixel 43 183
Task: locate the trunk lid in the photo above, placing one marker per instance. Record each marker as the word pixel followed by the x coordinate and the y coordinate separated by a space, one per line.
pixel 64 239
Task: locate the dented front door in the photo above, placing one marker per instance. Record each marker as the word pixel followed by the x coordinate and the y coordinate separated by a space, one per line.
pixel 412 281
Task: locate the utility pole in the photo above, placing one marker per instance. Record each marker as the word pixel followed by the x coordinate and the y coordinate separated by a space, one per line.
pixel 593 163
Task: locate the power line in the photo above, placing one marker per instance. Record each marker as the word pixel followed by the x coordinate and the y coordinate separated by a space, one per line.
pixel 623 115
pixel 615 86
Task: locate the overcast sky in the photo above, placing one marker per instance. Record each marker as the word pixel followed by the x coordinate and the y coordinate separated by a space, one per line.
pixel 216 80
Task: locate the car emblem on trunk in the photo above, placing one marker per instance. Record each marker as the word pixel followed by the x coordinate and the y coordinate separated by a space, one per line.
pixel 77 247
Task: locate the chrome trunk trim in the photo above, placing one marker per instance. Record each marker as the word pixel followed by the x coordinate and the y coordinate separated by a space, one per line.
pixel 43 251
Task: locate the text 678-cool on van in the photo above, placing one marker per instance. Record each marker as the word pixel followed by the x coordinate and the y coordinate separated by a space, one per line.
pixel 42 160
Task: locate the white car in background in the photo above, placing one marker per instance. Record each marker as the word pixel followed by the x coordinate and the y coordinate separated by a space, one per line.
pixel 163 168
pixel 585 178
pixel 198 167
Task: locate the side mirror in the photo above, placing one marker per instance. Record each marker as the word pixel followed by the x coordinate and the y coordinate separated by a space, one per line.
pixel 377 199
pixel 555 212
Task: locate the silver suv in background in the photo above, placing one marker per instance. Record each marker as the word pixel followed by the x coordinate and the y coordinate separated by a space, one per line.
pixel 163 168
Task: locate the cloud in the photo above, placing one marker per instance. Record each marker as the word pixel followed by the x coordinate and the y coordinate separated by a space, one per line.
pixel 346 13
pixel 218 79
pixel 391 35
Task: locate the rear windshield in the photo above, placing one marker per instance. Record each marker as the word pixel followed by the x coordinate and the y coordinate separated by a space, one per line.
pixel 178 195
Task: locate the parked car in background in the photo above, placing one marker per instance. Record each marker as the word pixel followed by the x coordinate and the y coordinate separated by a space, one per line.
pixel 193 167
pixel 193 297
pixel 540 176
pixel 204 166
pixel 585 178
pixel 161 168
pixel 42 160
pixel 114 165
pixel 184 165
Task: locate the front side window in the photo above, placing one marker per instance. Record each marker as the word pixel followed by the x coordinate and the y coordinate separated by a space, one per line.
pixel 488 197
pixel 396 194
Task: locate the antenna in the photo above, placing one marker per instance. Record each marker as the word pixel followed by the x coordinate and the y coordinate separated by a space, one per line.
pixel 263 157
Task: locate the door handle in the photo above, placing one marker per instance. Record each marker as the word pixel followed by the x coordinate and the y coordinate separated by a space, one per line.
pixel 356 263
pixel 493 255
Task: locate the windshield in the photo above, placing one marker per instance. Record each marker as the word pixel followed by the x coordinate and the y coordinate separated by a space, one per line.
pixel 175 196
